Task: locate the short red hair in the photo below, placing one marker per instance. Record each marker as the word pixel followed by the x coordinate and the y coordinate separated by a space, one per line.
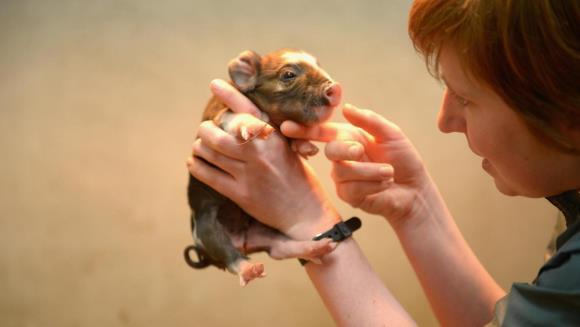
pixel 526 51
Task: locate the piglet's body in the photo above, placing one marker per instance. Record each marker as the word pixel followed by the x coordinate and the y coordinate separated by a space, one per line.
pixel 285 85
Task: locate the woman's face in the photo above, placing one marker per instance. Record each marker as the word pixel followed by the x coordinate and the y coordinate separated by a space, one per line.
pixel 512 155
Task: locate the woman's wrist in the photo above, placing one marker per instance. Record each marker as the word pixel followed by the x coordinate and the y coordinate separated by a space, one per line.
pixel 413 204
pixel 428 206
pixel 314 225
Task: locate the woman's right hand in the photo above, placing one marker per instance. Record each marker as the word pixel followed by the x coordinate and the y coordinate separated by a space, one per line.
pixel 375 166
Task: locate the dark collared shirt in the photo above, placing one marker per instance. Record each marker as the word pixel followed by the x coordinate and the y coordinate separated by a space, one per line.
pixel 553 298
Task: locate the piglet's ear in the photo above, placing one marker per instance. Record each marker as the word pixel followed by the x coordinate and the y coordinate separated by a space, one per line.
pixel 244 70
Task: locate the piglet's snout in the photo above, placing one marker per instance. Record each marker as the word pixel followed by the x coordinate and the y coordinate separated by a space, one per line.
pixel 333 94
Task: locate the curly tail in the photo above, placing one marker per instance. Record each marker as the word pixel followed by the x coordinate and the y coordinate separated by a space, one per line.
pixel 202 260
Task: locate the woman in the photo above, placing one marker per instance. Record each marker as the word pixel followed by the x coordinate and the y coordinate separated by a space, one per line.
pixel 512 71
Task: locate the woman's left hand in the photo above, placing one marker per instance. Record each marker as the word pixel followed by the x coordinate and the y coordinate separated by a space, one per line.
pixel 264 176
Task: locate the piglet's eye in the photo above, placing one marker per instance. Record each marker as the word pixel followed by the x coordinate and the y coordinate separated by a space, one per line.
pixel 288 76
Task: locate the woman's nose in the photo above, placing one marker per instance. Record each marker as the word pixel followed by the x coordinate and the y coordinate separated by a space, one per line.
pixel 451 115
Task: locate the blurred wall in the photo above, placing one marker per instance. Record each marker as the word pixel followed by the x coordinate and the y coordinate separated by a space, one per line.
pixel 99 102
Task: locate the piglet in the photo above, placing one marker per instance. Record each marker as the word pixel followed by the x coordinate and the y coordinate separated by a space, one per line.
pixel 285 85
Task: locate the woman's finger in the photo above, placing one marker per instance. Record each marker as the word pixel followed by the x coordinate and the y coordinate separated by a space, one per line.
pixel 324 132
pixel 219 140
pixel 344 150
pixel 379 127
pixel 354 193
pixel 218 180
pixel 225 163
pixel 351 171
pixel 233 98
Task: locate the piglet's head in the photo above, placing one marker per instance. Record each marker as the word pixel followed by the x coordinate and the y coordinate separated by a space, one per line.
pixel 286 85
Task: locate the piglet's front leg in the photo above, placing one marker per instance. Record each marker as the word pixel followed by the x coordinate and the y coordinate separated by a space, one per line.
pixel 244 126
pixel 304 148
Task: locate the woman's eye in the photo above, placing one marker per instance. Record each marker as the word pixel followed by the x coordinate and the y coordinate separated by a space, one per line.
pixel 461 100
pixel 288 76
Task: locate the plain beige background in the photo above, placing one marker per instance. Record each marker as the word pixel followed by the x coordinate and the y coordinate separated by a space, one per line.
pixel 99 102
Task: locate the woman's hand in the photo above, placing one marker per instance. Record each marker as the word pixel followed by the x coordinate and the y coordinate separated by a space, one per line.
pixel 264 176
pixel 375 166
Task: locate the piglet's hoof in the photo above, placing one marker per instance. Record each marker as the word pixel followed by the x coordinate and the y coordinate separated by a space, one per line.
pixel 250 271
pixel 317 249
pixel 304 148
pixel 248 133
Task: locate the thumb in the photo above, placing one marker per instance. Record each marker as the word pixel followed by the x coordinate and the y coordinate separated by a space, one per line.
pixel 324 132
pixel 379 127
pixel 233 98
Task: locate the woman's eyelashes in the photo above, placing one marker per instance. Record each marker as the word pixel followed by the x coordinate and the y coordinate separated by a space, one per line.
pixel 459 99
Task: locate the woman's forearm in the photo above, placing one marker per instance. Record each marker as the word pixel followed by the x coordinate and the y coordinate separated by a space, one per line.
pixel 352 292
pixel 461 292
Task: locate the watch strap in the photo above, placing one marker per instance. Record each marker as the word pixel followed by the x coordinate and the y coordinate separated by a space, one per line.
pixel 339 232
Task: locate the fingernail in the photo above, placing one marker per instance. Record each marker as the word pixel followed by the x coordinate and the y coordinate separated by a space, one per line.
pixel 386 172
pixel 213 84
pixel 354 151
pixel 216 85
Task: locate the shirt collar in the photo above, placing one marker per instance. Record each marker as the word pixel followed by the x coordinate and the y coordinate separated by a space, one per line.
pixel 569 203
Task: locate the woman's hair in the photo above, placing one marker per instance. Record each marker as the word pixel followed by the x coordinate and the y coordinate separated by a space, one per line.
pixel 526 51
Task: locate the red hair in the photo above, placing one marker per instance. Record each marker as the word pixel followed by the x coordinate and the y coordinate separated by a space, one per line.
pixel 526 51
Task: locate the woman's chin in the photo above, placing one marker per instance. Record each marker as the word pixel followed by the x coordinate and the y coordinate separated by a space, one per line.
pixel 504 189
